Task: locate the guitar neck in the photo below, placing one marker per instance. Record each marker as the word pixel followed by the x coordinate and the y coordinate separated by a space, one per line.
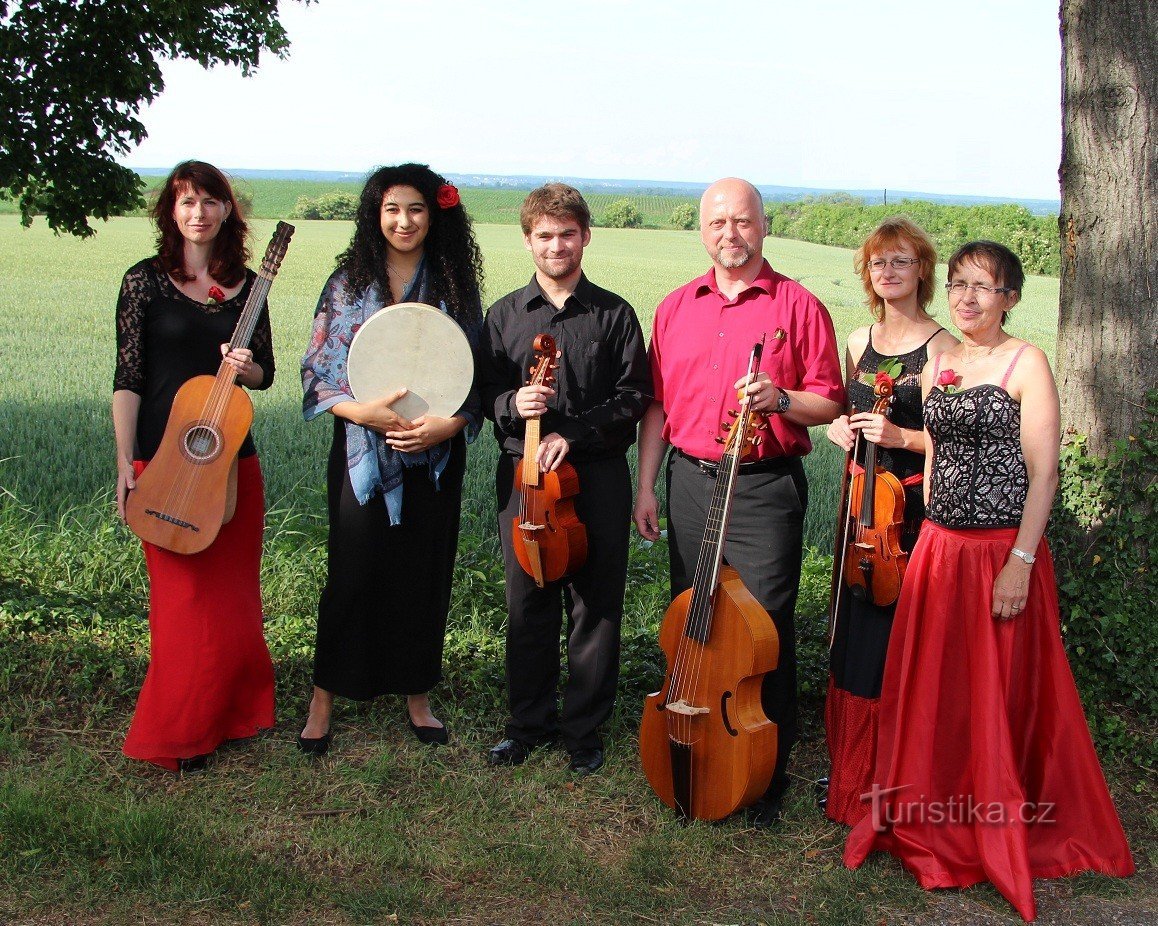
pixel 247 323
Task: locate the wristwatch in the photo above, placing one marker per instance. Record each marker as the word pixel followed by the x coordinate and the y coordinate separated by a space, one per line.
pixel 782 404
pixel 1028 558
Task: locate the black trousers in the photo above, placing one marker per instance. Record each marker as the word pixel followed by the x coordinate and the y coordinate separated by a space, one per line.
pixel 765 545
pixel 593 600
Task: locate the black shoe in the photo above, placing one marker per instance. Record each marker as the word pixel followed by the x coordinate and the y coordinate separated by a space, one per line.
pixel 586 761
pixel 509 752
pixel 820 792
pixel 316 747
pixel 192 764
pixel 430 736
pixel 765 813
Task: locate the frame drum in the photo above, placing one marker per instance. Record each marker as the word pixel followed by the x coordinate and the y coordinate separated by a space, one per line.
pixel 417 347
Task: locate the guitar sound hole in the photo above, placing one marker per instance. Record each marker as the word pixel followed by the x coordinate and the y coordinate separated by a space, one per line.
pixel 202 443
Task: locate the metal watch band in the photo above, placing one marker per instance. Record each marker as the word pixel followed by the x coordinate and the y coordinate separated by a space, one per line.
pixel 1028 558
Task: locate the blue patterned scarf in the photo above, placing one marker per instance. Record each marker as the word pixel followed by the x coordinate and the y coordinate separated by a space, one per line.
pixel 373 464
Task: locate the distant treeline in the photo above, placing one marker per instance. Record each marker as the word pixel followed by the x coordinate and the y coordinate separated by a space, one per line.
pixel 837 219
pixel 844 221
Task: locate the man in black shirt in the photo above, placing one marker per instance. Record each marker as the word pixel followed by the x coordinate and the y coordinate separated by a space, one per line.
pixel 588 417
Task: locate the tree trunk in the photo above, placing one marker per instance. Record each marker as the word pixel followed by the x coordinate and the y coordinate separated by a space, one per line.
pixel 1107 350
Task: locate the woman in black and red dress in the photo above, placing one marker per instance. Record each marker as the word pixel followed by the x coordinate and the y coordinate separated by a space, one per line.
pixel 896 263
pixel 210 678
pixel 985 770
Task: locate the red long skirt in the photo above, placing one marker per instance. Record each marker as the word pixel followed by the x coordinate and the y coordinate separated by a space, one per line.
pixel 210 678
pixel 985 767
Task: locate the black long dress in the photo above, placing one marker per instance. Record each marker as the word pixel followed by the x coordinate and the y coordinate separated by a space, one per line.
pixel 861 640
pixel 382 613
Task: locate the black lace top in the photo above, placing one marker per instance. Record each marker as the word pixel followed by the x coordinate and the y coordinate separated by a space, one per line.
pixel 979 477
pixel 165 338
pixel 905 413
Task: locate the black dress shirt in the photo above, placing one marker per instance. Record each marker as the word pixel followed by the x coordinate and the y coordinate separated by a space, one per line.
pixel 603 383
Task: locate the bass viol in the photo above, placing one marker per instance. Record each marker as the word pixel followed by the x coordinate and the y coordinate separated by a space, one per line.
pixel 706 745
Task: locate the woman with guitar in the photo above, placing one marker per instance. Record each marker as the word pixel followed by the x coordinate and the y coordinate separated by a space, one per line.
pixel 210 678
pixel 394 485
pixel 896 264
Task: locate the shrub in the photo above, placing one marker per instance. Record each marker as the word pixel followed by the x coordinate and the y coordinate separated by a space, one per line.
pixel 1102 538
pixel 327 206
pixel 623 213
pixel 684 216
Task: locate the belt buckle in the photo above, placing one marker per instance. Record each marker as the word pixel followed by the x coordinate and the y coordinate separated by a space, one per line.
pixel 708 469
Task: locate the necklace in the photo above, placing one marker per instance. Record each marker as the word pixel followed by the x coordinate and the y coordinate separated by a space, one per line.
pixel 981 352
pixel 404 283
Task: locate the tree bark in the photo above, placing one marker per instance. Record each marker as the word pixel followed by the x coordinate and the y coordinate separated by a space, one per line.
pixel 1107 350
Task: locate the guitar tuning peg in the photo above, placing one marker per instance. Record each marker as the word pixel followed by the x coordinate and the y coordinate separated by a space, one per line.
pixel 763 425
pixel 757 441
pixel 733 413
pixel 720 440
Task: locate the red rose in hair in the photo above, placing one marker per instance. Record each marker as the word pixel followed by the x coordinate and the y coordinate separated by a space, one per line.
pixel 215 295
pixel 448 196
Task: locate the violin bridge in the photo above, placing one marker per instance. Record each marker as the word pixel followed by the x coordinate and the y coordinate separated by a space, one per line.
pixel 682 707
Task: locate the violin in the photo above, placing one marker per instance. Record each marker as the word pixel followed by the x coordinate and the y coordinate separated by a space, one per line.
pixel 706 745
pixel 549 539
pixel 872 563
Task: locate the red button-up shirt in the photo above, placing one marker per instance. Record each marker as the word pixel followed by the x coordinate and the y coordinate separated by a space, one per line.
pixel 700 345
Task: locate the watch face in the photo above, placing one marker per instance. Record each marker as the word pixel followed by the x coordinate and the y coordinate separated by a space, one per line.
pixel 784 402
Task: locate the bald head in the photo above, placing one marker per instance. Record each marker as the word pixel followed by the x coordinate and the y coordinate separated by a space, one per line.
pixel 732 223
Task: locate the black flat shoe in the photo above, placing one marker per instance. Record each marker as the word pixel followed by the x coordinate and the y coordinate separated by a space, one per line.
pixel 509 752
pixel 820 792
pixel 586 761
pixel 430 736
pixel 316 747
pixel 192 764
pixel 765 813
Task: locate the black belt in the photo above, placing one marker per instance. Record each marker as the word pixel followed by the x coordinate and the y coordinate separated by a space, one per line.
pixel 767 465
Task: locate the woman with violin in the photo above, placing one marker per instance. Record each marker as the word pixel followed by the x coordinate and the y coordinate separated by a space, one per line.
pixel 883 361
pixel 210 678
pixel 985 770
pixel 394 486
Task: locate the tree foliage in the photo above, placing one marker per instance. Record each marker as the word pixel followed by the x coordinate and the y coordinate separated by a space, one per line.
pixel 684 216
pixel 75 73
pixel 336 205
pixel 623 213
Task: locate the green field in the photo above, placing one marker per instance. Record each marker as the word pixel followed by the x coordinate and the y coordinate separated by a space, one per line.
pixel 383 831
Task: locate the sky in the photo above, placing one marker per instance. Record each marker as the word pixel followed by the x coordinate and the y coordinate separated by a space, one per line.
pixel 932 96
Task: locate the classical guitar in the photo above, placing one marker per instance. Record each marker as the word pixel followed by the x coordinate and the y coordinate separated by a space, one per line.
pixel 188 490
pixel 706 745
pixel 549 539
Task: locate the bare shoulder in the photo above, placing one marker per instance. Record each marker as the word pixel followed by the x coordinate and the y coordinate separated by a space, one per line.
pixel 942 341
pixel 858 341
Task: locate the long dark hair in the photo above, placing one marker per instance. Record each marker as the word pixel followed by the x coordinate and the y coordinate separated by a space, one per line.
pixel 230 254
pixel 453 259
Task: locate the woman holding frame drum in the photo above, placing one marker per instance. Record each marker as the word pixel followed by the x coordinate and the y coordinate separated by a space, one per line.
pixel 394 485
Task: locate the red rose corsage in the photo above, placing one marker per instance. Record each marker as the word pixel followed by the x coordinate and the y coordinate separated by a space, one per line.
pixel 947 380
pixel 448 196
pixel 215 295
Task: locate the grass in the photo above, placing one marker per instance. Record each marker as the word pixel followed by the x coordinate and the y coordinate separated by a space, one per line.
pixel 383 828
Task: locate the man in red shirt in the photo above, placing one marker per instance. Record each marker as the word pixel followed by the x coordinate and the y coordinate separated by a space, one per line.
pixel 702 337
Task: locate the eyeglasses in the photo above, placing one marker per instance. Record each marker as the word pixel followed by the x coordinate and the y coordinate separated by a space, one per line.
pixel 897 263
pixel 960 289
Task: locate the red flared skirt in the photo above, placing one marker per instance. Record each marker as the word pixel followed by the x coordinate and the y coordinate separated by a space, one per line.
pixel 985 768
pixel 210 678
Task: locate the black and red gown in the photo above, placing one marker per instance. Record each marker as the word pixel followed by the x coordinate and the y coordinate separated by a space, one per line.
pixel 210 677
pixel 985 768
pixel 861 637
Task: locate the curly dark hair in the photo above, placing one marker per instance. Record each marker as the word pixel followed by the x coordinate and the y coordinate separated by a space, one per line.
pixel 230 253
pixel 453 258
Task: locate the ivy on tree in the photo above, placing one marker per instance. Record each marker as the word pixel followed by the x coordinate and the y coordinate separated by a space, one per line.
pixel 75 73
